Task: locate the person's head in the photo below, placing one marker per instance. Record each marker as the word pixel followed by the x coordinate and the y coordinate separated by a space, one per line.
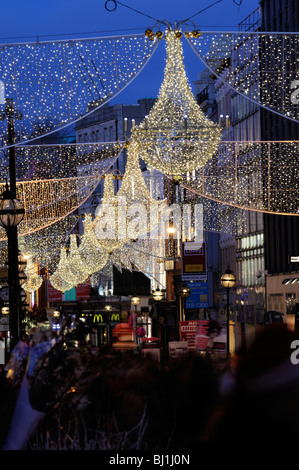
pixel 214 328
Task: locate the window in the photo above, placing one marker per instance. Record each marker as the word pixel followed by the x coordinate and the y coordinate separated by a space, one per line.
pixel 291 303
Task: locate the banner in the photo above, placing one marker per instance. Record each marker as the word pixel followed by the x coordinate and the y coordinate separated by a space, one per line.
pixel 54 295
pixel 83 291
pixel 211 335
pixel 204 335
pixel 188 333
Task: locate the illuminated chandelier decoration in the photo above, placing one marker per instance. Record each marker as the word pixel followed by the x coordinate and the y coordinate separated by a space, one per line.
pixel 176 137
pixel 34 281
pixel 63 279
pixel 105 230
pixel 134 200
pixel 130 214
pixel 76 262
pixel 93 257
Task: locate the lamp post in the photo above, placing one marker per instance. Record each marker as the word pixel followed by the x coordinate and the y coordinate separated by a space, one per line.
pixel 158 296
pixel 228 281
pixel 184 292
pixel 135 301
pixel 11 214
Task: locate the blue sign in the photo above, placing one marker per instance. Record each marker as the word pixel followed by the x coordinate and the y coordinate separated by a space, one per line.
pixel 199 295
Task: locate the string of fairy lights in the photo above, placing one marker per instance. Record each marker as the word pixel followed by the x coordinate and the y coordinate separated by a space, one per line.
pixel 47 200
pixel 50 161
pixel 53 84
pixel 261 67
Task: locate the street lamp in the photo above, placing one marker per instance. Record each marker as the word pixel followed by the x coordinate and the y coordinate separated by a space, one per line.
pixel 184 292
pixel 11 214
pixel 228 281
pixel 158 296
pixel 135 301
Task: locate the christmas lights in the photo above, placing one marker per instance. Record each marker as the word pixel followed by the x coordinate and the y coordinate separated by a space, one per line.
pixel 134 199
pixel 67 176
pixel 176 137
pixel 262 67
pixel 55 83
pixel 105 230
pixel 63 278
pixel 93 257
pixel 34 281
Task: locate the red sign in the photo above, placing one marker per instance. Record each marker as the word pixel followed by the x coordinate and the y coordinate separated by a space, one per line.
pixel 188 333
pixel 202 335
pixel 194 261
pixel 54 295
pixel 83 291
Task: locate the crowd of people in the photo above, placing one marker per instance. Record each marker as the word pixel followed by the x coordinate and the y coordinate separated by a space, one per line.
pixel 103 399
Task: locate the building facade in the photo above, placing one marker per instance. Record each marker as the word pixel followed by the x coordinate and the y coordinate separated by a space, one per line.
pixel 281 232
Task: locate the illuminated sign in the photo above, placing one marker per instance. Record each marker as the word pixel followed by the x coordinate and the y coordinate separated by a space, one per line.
pixel 115 317
pixel 98 318
pixel 194 265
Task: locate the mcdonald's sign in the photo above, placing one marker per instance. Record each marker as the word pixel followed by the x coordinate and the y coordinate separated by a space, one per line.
pixel 115 317
pixel 97 318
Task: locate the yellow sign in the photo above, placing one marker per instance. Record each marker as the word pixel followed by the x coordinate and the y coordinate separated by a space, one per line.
pixel 115 317
pixel 98 318
pixel 191 268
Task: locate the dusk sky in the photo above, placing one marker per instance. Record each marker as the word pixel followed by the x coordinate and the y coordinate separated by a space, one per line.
pixel 25 21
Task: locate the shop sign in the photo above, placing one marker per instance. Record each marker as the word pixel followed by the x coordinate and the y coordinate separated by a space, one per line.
pixel 194 264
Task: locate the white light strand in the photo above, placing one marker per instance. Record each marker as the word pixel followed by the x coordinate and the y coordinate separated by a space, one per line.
pixel 57 83
pixel 270 58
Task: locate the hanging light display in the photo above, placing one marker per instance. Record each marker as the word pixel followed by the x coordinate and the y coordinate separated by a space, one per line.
pixel 34 281
pixel 105 230
pixel 93 257
pixel 176 137
pixel 261 67
pixel 142 212
pixel 47 189
pixel 63 279
pixel 76 262
pixel 44 245
pixel 131 213
pixel 56 83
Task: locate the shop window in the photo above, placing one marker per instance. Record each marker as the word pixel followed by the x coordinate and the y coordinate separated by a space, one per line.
pixel 290 303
